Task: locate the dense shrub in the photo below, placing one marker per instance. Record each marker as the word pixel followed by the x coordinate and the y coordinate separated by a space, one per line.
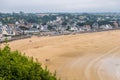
pixel 14 66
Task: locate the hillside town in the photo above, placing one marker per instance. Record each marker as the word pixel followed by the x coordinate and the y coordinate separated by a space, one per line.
pixel 18 24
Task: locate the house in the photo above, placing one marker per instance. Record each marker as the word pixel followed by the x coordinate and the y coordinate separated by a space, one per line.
pixel 9 30
pixel 43 27
pixel 6 30
pixel 17 31
pixel 17 23
pixel 74 29
pixel 82 29
pixel 95 26
pixel 85 28
pixel 106 27
pixel 115 24
pixel 88 28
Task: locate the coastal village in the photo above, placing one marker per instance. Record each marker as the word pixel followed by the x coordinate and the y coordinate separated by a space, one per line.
pixel 61 24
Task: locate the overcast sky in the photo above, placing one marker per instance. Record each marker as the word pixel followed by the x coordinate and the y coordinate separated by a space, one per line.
pixel 60 6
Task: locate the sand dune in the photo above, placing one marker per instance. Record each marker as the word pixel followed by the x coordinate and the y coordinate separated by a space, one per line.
pixel 89 56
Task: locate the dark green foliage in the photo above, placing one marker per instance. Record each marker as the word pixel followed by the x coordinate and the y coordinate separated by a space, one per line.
pixel 26 17
pixel 14 66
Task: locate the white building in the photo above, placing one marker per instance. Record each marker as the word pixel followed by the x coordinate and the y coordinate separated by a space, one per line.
pixel 106 27
pixel 8 30
pixel 75 29
pixel 43 27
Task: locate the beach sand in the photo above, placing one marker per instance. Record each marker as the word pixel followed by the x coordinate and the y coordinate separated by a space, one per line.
pixel 88 56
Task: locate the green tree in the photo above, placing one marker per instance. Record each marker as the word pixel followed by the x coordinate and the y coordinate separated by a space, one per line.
pixel 14 66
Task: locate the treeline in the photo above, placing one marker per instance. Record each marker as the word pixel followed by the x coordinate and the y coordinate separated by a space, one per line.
pixel 11 18
pixel 67 18
pixel 14 66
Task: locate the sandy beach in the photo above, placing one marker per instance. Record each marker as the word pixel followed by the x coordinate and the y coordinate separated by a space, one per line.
pixel 88 56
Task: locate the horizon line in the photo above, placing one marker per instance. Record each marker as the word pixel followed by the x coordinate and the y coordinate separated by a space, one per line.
pixel 63 12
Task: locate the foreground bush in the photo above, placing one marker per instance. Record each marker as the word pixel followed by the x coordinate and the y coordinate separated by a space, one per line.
pixel 14 66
